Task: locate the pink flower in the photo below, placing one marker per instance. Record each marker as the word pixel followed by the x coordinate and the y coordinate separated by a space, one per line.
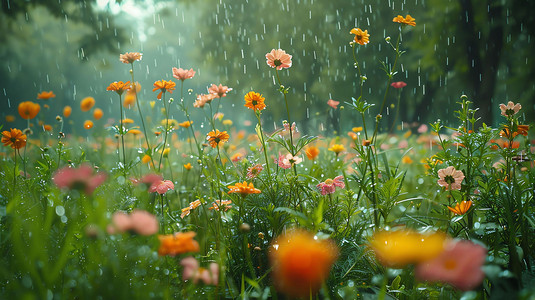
pixel 450 178
pixel 279 59
pixel 459 265
pixel 280 161
pixel 422 129
pixel 192 271
pixel 332 103
pixel 253 171
pixel 291 160
pixel 510 109
pixel 398 84
pixel 148 179
pixel 80 178
pixel 202 99
pixel 182 74
pixel 329 185
pixel 139 221
pixel 161 187
pixel 219 91
pixel 403 144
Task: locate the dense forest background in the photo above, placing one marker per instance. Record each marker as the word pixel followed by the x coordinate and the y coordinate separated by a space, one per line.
pixel 481 48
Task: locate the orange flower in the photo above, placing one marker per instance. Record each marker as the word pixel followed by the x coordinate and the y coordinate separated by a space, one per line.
pixel 188 166
pixel 14 138
pixel 130 57
pixel 145 159
pixel 243 189
pixel 97 113
pixel 361 37
pixel 128 121
pixel 408 20
pixel 192 205
pixel 312 152
pixel 10 118
pixel 119 87
pixel 406 160
pixel 216 137
pixel 67 110
pixel 223 204
pixel 45 95
pixel 398 248
pixel 47 127
pixel 28 109
pixel 301 263
pixel 88 124
pixel 461 208
pixel 129 100
pixel 185 124
pixel 254 101
pixel 163 85
pixel 178 243
pixel 87 103
pixel 135 132
pixel 521 129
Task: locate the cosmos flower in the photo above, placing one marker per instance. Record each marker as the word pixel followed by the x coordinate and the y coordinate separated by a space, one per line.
pixel 291 160
pixel 193 272
pixel 87 103
pixel 301 262
pixel 398 84
pixel 119 87
pixel 178 243
pixel 28 110
pixel 461 208
pixel 329 186
pixel 138 221
pixel 182 74
pixel 13 138
pixel 279 59
pixel 450 178
pixel 332 103
pixel 81 178
pixel 254 101
pixel 408 20
pixel 130 57
pixel 243 189
pixel 219 91
pixel 216 137
pixel 398 248
pixel 510 109
pixel 253 171
pixel 161 187
pixel 361 37
pixel 280 162
pixel 46 95
pixel 163 85
pixel 459 265
pixel 202 99
pixel 312 152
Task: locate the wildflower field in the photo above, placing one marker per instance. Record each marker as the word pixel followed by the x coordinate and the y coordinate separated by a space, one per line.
pixel 149 207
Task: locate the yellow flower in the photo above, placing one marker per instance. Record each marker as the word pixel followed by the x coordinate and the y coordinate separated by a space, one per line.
pixel 145 159
pixel 166 152
pixel 337 148
pixel 227 122
pixel 361 37
pixel 408 20
pixel 188 166
pixel 152 103
pixel 134 131
pixel 406 160
pixel 461 208
pixel 171 123
pixel 357 129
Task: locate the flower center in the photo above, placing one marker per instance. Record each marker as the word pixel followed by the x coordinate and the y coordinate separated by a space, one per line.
pixel 329 181
pixel 450 264
pixel 359 37
pixel 449 179
pixel 254 102
pixel 277 62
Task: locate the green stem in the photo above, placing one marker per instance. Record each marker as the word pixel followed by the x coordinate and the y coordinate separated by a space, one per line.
pixel 121 131
pixel 166 129
pixel 292 150
pixel 263 145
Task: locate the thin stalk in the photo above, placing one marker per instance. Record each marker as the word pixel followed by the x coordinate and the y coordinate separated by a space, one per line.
pixel 121 131
pixel 263 144
pixel 166 129
pixel 292 150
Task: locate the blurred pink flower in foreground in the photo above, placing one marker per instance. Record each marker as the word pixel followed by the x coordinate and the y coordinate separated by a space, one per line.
pixel 139 221
pixel 219 91
pixel 195 273
pixel 279 59
pixel 182 74
pixel 459 265
pixel 450 178
pixel 332 103
pixel 81 178
pixel 329 185
pixel 398 84
pixel 161 187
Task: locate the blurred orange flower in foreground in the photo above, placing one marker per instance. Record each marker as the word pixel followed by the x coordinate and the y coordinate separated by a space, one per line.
pixel 87 103
pixel 301 262
pixel 178 243
pixel 97 113
pixel 398 248
pixel 28 109
pixel 14 138
pixel 88 124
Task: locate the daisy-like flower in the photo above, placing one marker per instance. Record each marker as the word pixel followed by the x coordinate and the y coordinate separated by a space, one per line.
pixel 178 243
pixel 119 87
pixel 361 37
pixel 337 148
pixel 216 137
pixel 333 103
pixel 254 101
pixel 130 57
pixel 182 74
pixel 163 85
pixel 223 204
pixel 81 178
pixel 280 162
pixel 408 20
pixel 219 91
pixel 291 160
pixel 187 210
pixel 28 110
pixel 243 189
pixel 46 95
pixel 202 99
pixel 461 208
pixel 13 138
pixel 161 187
pixel 279 59
pixel 450 178
pixel 329 186
pixel 510 109
pixel 193 272
pixel 301 262
pixel 312 152
pixel 459 265
pixel 253 171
